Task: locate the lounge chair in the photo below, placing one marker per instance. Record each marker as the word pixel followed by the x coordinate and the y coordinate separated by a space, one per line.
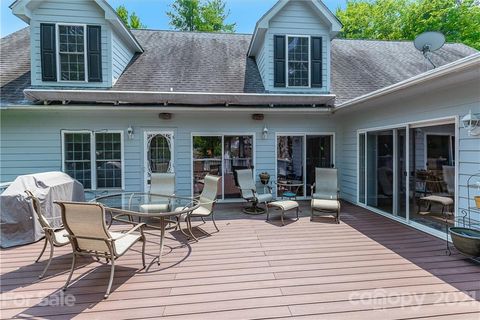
pixel 53 236
pixel 89 236
pixel 207 199
pixel 249 192
pixel 325 193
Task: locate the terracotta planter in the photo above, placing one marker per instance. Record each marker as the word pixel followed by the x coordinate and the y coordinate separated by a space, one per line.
pixel 477 201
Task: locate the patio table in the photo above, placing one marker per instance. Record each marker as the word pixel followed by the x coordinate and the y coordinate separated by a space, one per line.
pixel 129 204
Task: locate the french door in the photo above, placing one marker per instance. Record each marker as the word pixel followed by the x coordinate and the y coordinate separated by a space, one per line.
pixel 297 157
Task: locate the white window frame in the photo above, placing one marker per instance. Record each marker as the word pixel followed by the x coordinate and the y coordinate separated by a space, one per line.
pixel 309 61
pixel 57 49
pixel 93 157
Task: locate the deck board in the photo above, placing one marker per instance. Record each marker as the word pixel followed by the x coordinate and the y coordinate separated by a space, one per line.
pixel 368 267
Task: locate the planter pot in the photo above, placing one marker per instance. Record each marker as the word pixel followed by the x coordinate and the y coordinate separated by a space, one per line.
pixel 264 178
pixel 466 240
pixel 477 201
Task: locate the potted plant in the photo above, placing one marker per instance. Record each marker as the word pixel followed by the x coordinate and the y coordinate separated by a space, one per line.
pixel 264 177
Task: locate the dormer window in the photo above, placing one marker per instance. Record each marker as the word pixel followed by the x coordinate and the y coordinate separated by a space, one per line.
pixel 72 55
pixel 71 52
pixel 298 61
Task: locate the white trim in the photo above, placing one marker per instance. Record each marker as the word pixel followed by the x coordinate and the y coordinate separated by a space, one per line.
pixel 93 157
pixel 222 136
pixel 57 53
pixel 147 132
pixel 309 61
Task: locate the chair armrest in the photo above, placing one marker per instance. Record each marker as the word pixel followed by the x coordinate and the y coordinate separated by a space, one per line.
pixel 312 188
pixel 138 226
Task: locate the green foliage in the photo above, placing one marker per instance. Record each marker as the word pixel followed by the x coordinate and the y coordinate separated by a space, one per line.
pixel 131 20
pixel 197 15
pixel 459 20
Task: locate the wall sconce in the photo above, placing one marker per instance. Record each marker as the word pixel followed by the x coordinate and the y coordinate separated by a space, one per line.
pixel 130 132
pixel 265 132
pixel 471 123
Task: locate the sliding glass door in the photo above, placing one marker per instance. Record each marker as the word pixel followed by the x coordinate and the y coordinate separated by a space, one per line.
pixel 221 155
pixel 400 169
pixel 297 157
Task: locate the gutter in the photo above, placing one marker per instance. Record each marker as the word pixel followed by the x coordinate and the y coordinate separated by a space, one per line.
pixel 179 98
pixel 467 63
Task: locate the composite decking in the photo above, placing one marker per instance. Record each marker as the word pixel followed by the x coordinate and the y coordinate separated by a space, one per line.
pixel 368 267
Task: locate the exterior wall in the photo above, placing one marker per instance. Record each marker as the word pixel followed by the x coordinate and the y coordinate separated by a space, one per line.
pixel 121 56
pixel 296 18
pixel 23 152
pixel 434 105
pixel 115 53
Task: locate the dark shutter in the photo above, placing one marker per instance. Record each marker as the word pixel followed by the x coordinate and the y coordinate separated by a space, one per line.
pixel 94 53
pixel 316 63
pixel 279 61
pixel 47 51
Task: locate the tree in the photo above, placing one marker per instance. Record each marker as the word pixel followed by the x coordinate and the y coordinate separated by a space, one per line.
pixel 197 15
pixel 459 20
pixel 131 20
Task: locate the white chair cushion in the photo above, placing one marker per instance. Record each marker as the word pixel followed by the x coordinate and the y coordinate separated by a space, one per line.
pixel 123 244
pixel 60 238
pixel 264 197
pixel 284 205
pixel 155 207
pixel 329 205
pixel 445 201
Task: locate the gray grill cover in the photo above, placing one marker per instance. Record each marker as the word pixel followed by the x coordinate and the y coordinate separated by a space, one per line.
pixel 19 224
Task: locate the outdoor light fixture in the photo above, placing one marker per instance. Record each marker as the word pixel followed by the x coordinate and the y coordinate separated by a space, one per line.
pixel 265 132
pixel 130 132
pixel 471 123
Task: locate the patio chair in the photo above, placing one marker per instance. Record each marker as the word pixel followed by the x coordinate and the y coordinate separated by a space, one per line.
pixel 207 199
pixel 162 184
pixel 89 236
pixel 325 193
pixel 53 236
pixel 249 192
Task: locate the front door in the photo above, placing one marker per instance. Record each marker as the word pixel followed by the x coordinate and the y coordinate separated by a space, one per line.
pixel 158 154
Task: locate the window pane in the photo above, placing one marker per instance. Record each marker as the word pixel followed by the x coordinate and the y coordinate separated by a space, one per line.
pixel 78 158
pixel 71 48
pixel 298 72
pixel 207 159
pixel 109 160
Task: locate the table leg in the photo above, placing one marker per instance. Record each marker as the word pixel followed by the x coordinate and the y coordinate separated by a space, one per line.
pixel 162 238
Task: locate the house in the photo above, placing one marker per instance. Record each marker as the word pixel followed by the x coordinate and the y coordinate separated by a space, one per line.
pixel 83 94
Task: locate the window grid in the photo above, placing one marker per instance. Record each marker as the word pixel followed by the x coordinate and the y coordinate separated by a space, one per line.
pixel 78 157
pixel 72 52
pixel 298 61
pixel 159 154
pixel 108 151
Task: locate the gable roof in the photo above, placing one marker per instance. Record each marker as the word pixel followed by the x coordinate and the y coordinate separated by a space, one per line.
pixel 218 63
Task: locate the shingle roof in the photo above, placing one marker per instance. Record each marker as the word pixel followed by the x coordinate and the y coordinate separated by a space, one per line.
pixel 217 62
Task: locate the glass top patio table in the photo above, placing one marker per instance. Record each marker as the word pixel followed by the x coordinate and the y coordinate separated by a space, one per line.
pixel 130 203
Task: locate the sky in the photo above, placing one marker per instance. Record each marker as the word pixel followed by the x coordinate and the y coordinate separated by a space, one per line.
pixel 152 13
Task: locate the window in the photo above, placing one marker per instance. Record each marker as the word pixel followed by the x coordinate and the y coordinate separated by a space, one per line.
pixel 298 61
pixel 80 152
pixel 71 52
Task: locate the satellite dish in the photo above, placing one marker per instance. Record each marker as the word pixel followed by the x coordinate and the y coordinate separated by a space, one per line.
pixel 428 42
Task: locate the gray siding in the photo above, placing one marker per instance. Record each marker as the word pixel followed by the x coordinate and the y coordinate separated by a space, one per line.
pixel 434 105
pixel 115 53
pixel 296 18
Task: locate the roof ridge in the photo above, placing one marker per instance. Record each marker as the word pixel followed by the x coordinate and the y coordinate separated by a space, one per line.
pixel 194 32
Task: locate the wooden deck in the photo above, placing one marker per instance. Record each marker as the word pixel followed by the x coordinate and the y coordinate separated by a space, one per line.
pixel 368 267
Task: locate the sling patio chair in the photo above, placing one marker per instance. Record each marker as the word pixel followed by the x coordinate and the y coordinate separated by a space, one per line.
pixel 89 236
pixel 325 193
pixel 207 199
pixel 249 192
pixel 53 236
